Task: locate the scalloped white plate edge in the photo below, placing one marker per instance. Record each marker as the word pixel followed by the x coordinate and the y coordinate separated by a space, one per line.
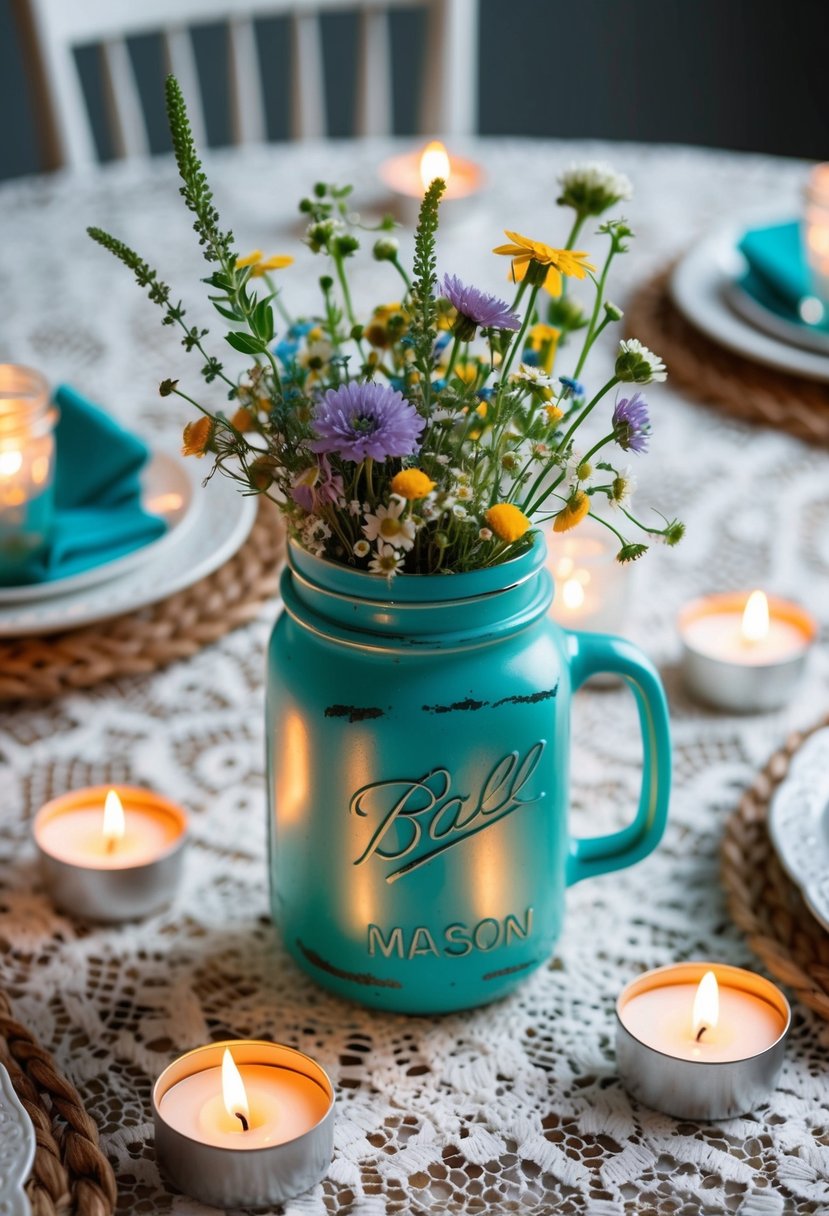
pixel 798 807
pixel 17 1152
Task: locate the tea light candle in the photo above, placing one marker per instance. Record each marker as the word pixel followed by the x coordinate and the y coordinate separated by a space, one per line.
pixel 592 588
pixel 27 447
pixel 410 175
pixel 244 1124
pixel 111 854
pixel 701 1040
pixel 745 652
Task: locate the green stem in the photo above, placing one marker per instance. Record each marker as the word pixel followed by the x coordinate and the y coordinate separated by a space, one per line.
pixel 456 346
pixel 590 335
pixel 614 379
pixel 402 272
pixel 518 341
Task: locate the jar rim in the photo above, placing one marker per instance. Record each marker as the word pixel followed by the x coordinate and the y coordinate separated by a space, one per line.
pixel 411 588
pixel 25 402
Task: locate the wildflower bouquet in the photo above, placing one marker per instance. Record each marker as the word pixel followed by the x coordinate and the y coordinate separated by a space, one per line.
pixel 431 435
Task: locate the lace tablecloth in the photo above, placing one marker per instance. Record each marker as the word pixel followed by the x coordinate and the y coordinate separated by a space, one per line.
pixel 515 1107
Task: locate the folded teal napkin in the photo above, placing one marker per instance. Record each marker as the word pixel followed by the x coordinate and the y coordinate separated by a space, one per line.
pixel 98 514
pixel 778 276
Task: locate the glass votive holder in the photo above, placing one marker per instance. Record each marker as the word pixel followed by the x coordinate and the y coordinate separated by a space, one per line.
pixel 27 465
pixel 592 589
pixel 816 231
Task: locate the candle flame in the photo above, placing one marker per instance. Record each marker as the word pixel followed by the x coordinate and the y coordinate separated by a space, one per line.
pixel 756 617
pixel 114 822
pixel 10 463
pixel 572 593
pixel 434 162
pixel 706 1012
pixel 233 1090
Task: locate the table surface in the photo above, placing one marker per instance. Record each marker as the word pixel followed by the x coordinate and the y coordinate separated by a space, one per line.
pixel 515 1107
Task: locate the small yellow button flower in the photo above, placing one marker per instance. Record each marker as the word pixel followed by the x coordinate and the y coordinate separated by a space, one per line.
pixel 411 484
pixel 197 436
pixel 554 414
pixel 507 522
pixel 524 251
pixel 572 513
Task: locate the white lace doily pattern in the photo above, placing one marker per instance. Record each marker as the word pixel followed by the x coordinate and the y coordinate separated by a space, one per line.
pixel 511 1108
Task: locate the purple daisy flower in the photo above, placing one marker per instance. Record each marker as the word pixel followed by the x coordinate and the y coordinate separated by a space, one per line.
pixel 356 421
pixel 632 424
pixel 476 308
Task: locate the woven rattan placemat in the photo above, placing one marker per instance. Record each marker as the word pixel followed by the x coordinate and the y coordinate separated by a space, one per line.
pixel 721 378
pixel 764 901
pixel 142 641
pixel 70 1175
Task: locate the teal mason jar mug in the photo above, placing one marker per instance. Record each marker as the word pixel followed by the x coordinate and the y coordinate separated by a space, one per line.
pixel 418 740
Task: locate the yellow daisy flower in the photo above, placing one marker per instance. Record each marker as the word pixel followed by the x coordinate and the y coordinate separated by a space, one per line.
pixel 411 484
pixel 197 436
pixel 261 265
pixel 544 339
pixel 554 414
pixel 243 420
pixel 524 252
pixel 507 522
pixel 572 513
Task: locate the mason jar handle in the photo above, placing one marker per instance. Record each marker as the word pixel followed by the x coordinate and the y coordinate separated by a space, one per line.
pixel 590 653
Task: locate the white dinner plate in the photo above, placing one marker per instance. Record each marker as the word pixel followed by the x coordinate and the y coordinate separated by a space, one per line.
pixel 799 823
pixel 17 1150
pixel 169 488
pixel 700 287
pixel 219 528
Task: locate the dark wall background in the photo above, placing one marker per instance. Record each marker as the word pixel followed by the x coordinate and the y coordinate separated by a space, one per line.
pixel 743 74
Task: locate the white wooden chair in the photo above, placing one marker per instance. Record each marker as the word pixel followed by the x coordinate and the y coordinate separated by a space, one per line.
pixel 52 29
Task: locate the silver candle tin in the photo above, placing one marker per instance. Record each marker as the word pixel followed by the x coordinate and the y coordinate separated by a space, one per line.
pixel 743 687
pixel 244 1178
pixel 120 893
pixel 699 1089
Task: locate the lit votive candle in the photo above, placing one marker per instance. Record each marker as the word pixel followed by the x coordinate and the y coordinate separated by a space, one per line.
pixel 592 589
pixel 111 854
pixel 701 1040
pixel 743 651
pixel 410 175
pixel 244 1123
pixel 27 449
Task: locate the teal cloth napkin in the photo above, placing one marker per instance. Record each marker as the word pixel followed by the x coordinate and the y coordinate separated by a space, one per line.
pixel 777 277
pixel 98 513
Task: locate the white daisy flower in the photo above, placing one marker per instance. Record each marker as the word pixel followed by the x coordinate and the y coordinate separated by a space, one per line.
pixel 361 548
pixel 638 365
pixel 386 525
pixel 387 560
pixel 622 488
pixel 485 534
pixel 592 187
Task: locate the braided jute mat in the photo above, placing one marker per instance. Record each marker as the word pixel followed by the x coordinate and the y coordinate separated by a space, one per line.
pixel 142 641
pixel 763 900
pixel 70 1175
pixel 720 378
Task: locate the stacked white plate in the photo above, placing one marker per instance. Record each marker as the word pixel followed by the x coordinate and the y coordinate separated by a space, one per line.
pixel 799 823
pixel 205 527
pixel 706 289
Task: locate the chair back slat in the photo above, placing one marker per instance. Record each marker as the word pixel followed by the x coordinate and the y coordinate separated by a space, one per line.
pixel 180 59
pixel 449 101
pixel 374 92
pixel 308 120
pixel 123 103
pixel 53 30
pixel 247 113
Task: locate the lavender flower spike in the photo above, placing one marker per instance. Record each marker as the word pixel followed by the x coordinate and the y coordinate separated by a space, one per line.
pixel 356 421
pixel 632 424
pixel 476 308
